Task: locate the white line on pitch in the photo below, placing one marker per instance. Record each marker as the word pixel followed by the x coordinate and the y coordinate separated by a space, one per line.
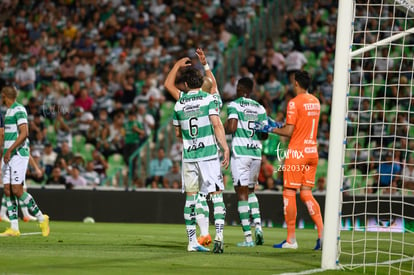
pixel 305 272
pixel 30 233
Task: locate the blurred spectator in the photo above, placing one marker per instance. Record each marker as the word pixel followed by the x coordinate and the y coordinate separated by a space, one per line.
pixel 379 127
pixel 134 135
pixel 146 119
pixel 322 72
pixel 327 90
pixel 75 179
pixel 65 156
pixel 235 23
pixel 32 173
pixel 273 92
pixel 286 45
pixel 176 151
pixel 265 179
pixel 172 180
pixel 295 61
pixel 48 158
pixel 56 178
pixel 276 58
pixel 85 122
pixel 85 101
pixel 314 40
pixel 408 174
pixel 49 68
pixel 63 131
pixel 320 187
pixel 117 131
pixel 229 90
pixel 25 77
pixel 99 164
pixel 67 71
pixel 388 172
pixel 323 145
pixel 158 168
pixel 91 176
pixel 38 143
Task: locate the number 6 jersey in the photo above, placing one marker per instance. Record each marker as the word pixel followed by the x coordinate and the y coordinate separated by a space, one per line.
pixel 191 113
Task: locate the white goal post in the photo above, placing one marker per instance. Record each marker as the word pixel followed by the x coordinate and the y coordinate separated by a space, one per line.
pixel 386 28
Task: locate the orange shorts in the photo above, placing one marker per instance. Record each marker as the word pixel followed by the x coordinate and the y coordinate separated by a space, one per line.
pixel 298 172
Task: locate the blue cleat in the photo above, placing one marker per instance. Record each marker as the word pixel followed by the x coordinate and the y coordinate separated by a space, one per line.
pixel 197 248
pixel 285 244
pixel 318 245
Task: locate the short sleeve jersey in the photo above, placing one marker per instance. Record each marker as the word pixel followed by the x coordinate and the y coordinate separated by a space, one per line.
pixel 192 113
pixel 303 112
pixel 245 141
pixel 15 116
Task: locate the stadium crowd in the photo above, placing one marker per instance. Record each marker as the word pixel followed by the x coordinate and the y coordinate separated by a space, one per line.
pixel 91 73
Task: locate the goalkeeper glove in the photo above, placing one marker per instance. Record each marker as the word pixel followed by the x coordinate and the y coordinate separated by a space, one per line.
pixel 273 123
pixel 263 128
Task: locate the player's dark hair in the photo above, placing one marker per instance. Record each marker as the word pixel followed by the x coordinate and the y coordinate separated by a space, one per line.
pixel 193 77
pixel 245 84
pixel 303 79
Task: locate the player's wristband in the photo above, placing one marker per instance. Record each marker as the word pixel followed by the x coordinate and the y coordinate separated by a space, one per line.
pixel 206 67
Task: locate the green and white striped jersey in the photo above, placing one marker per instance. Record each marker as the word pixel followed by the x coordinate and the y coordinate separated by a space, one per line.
pixel 192 113
pixel 245 142
pixel 16 115
pixel 215 95
pixel 218 98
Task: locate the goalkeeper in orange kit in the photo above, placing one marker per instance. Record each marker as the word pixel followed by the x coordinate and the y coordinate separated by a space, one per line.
pixel 301 157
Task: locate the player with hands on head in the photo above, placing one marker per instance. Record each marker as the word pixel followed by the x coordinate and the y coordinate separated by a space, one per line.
pixel 301 161
pixel 209 86
pixel 197 122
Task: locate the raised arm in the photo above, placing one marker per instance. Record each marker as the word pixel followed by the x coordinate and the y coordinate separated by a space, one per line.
pixel 209 73
pixel 169 82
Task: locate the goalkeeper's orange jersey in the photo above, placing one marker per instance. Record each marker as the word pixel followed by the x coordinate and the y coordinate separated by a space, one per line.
pixel 303 112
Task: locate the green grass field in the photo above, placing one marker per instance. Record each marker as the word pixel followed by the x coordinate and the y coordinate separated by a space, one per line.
pixel 113 248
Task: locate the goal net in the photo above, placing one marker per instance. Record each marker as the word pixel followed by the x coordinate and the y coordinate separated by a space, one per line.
pixel 375 217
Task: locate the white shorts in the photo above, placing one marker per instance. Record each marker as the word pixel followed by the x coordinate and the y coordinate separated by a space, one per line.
pixel 203 176
pixel 14 172
pixel 245 171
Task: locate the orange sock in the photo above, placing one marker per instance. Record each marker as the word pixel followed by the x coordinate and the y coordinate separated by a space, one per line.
pixel 290 211
pixel 313 209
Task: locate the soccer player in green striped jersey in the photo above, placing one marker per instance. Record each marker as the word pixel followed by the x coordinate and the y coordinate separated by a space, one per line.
pixel 14 163
pixel 210 86
pixel 197 122
pixel 246 148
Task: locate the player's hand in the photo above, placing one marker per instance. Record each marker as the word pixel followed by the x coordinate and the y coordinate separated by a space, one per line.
pixel 183 62
pixel 6 157
pixel 226 158
pixel 201 56
pixel 273 123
